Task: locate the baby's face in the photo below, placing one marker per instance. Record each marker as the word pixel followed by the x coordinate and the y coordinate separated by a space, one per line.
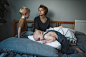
pixel 39 37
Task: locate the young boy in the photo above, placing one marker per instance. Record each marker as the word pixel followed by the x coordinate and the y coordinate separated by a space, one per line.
pixel 22 25
pixel 51 36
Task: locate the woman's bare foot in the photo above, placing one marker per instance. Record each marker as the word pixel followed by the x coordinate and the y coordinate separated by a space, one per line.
pixel 73 44
pixel 78 50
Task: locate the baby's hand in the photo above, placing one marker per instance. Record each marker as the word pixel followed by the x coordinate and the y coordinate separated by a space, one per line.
pixel 44 41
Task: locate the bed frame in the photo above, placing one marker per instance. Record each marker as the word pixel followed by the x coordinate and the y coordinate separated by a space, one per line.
pixel 57 23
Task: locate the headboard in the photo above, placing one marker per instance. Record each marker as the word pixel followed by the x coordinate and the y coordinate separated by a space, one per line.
pixel 57 23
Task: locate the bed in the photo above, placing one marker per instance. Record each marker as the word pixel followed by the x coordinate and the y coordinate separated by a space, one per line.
pixel 23 47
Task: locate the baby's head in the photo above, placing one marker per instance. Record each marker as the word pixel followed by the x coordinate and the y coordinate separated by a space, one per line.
pixel 38 35
pixel 25 11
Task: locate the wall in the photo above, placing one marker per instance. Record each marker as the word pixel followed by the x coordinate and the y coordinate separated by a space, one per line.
pixel 80 25
pixel 59 10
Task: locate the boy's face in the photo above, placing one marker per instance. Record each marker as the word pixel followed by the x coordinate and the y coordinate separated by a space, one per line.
pixel 27 15
pixel 41 11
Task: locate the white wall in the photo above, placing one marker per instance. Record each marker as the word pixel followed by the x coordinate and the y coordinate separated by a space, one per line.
pixel 59 10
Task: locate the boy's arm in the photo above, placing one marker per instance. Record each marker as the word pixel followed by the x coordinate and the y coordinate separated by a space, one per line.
pixel 51 39
pixel 19 32
pixel 30 26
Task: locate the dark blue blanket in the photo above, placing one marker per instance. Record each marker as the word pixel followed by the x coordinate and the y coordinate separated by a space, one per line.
pixel 81 43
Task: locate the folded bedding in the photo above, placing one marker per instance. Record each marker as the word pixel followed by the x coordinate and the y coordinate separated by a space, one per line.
pixel 25 34
pixel 12 54
pixel 54 44
pixel 67 32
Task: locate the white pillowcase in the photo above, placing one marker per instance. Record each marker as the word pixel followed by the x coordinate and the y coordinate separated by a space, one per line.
pixel 67 32
pixel 54 44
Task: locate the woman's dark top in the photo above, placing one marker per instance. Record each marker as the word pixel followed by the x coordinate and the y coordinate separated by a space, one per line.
pixel 41 26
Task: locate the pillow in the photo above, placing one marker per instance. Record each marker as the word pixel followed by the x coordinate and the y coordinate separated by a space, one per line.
pixel 26 46
pixel 54 44
pixel 67 32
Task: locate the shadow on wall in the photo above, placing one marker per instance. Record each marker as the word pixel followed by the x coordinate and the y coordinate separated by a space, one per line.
pixel 12 11
pixel 7 28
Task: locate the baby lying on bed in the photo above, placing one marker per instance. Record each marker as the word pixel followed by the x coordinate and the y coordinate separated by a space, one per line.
pixel 51 35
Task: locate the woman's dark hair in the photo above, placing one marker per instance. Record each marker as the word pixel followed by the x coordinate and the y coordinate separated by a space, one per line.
pixel 44 8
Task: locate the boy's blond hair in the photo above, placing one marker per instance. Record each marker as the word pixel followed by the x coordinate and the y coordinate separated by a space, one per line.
pixel 24 10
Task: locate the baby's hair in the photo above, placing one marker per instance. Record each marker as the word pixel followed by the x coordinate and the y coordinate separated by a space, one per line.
pixel 44 8
pixel 35 34
pixel 24 10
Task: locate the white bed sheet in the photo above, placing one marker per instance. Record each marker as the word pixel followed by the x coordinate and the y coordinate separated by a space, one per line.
pixel 54 44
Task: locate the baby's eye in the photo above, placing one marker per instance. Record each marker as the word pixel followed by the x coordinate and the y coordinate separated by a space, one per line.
pixel 38 38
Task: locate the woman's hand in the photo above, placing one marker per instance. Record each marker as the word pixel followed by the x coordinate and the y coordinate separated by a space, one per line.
pixel 44 41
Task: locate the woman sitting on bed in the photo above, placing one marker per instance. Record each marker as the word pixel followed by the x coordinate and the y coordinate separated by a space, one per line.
pixel 42 22
pixel 51 36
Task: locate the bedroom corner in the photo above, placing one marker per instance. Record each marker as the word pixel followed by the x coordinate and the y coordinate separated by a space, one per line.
pixel 3 11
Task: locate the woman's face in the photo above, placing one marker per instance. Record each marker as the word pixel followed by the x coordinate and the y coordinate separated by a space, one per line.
pixel 41 11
